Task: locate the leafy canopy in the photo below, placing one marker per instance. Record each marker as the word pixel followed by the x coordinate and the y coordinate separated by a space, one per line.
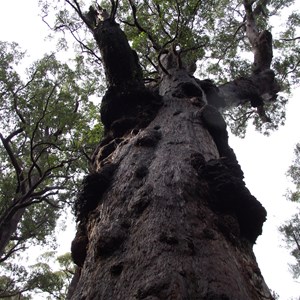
pixel 49 130
pixel 46 277
pixel 212 33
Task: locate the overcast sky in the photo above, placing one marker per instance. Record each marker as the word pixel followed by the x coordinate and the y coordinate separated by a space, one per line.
pixel 264 160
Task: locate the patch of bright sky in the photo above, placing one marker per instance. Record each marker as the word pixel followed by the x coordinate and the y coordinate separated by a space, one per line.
pixel 264 160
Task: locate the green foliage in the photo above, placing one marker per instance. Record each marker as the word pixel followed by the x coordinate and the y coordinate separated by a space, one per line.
pixel 49 129
pixel 287 48
pixel 50 277
pixel 294 174
pixel 209 32
pixel 291 233
pixel 291 229
pixel 213 34
pixel 70 35
pixel 176 22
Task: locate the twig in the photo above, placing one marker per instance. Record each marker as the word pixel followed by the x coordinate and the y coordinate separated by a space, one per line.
pixel 155 45
pixel 291 39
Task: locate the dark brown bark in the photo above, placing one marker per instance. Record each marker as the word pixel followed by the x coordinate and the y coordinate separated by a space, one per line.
pixel 172 219
pixel 165 213
pixel 261 86
pixel 176 221
pixel 256 89
pixel 121 62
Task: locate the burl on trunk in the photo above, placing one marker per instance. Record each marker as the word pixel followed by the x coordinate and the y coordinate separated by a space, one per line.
pixel 165 213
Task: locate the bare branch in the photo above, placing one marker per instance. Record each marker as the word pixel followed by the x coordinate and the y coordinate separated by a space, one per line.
pixel 161 20
pixel 83 45
pixel 44 198
pixel 28 82
pixel 75 6
pixel 296 240
pixel 155 45
pixel 12 250
pixel 13 134
pixel 292 70
pixel 78 10
pixel 291 39
pixel 114 8
pixel 35 159
pixel 85 154
pixel 23 201
pixel 44 191
pixel 246 115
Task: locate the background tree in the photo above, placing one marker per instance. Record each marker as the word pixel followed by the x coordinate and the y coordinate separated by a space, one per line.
pixel 49 128
pixel 291 229
pixel 42 278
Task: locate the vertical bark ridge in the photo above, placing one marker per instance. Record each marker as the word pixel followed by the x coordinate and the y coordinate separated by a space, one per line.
pixel 156 233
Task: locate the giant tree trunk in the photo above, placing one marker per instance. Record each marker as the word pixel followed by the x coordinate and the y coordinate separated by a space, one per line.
pixel 166 214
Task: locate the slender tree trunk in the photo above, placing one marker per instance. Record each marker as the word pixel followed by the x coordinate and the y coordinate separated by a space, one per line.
pixel 8 227
pixel 166 214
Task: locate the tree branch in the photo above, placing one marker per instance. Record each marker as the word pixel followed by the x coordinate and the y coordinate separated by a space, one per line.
pixel 32 146
pixel 91 51
pixel 261 42
pixel 13 134
pixel 12 250
pixel 296 240
pixel 114 8
pixel 291 39
pixel 155 45
pixel 14 160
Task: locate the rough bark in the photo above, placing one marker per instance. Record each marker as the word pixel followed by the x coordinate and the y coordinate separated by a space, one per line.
pixel 257 89
pixel 176 220
pixel 166 214
pixel 261 86
pixel 121 62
